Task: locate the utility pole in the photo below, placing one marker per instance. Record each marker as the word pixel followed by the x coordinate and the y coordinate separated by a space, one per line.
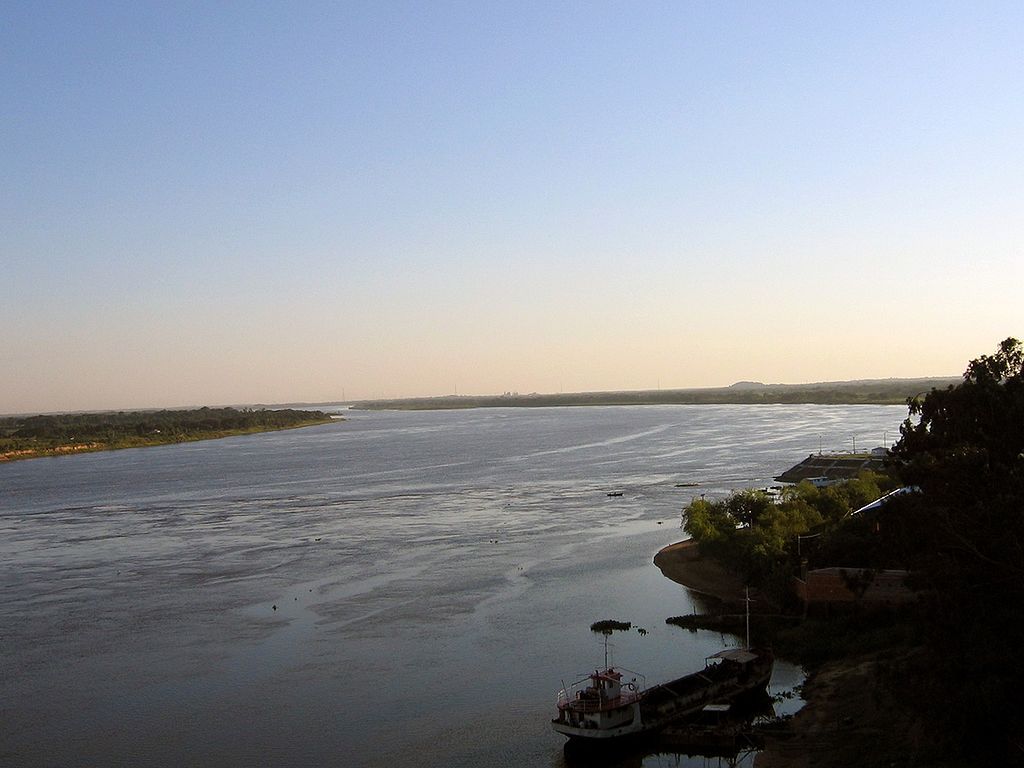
pixel 746 599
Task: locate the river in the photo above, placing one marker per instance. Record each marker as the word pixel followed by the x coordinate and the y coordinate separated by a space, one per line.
pixel 398 588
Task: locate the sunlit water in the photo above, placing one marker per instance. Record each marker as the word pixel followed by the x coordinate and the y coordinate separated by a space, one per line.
pixel 398 588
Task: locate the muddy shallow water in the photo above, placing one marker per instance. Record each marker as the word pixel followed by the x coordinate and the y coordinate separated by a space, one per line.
pixel 359 593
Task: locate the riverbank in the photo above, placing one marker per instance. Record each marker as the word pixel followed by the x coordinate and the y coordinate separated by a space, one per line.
pixel 682 563
pixel 71 449
pixel 48 436
pixel 850 719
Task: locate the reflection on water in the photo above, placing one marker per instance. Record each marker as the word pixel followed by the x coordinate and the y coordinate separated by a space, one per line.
pixel 652 756
pixel 353 593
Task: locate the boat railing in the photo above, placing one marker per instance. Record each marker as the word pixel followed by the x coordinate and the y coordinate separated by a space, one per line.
pixel 568 701
pixel 576 695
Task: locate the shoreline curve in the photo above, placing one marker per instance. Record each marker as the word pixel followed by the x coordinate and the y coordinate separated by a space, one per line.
pixel 683 563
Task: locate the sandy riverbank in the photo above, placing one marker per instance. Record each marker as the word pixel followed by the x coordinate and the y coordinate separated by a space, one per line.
pixel 683 563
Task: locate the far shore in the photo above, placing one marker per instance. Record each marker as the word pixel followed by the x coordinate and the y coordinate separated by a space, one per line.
pixel 149 441
pixel 863 392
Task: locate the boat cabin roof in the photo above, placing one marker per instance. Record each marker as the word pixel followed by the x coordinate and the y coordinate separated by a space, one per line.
pixel 735 654
pixel 717 708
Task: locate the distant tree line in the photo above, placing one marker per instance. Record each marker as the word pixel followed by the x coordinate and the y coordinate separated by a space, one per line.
pixel 125 428
pixel 880 392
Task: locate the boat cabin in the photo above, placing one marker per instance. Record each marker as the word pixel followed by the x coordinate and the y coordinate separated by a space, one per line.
pixel 603 700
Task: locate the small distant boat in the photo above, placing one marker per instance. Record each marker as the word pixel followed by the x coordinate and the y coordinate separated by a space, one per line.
pixel 614 493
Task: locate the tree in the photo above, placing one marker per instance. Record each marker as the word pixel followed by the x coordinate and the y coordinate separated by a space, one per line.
pixel 746 507
pixel 964 537
pixel 966 454
pixel 707 521
pixel 778 528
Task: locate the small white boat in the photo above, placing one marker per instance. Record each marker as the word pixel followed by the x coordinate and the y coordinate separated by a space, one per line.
pixel 600 706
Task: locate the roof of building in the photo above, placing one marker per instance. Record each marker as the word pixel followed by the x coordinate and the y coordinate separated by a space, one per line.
pixel 834 466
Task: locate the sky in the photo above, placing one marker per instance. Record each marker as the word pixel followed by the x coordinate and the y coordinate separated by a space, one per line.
pixel 229 203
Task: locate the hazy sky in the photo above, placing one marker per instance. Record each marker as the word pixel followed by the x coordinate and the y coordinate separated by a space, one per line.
pixel 219 203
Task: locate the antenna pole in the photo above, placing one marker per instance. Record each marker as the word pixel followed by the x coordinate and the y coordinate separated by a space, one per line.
pixel 746 600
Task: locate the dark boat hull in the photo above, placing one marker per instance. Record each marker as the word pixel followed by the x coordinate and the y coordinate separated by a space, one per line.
pixel 724 683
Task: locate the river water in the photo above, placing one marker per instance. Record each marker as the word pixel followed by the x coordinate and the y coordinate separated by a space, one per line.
pixel 399 588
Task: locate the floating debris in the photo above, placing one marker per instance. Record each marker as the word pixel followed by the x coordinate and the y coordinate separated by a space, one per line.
pixel 607 626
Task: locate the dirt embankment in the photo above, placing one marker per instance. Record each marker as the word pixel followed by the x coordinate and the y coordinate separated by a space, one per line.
pixel 850 720
pixel 683 563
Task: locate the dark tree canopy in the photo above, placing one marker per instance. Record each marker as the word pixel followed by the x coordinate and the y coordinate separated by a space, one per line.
pixel 966 453
pixel 975 426
pixel 964 538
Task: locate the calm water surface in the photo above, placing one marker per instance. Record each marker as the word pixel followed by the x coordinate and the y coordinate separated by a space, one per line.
pixel 398 588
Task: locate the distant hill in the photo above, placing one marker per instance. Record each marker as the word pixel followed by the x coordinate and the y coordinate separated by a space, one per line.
pixel 865 391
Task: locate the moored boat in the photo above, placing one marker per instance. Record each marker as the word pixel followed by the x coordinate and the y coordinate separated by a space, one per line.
pixel 607 705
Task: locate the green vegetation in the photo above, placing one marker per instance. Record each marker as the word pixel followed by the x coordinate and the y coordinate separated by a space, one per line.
pixel 762 540
pixel 961 537
pixel 873 392
pixel 816 641
pixel 25 437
